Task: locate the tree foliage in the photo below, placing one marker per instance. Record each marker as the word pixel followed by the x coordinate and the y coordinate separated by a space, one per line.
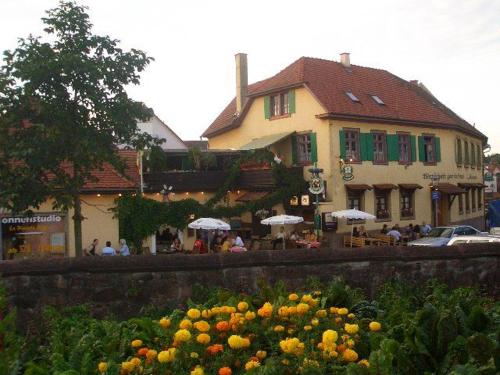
pixel 63 109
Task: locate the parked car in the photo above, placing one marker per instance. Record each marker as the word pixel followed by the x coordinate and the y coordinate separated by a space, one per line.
pixel 440 236
pixel 473 239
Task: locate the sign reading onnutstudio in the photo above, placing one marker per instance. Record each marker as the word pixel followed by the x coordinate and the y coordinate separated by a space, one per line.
pixel 449 176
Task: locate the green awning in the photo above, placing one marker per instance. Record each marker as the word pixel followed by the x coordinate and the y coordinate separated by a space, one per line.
pixel 266 141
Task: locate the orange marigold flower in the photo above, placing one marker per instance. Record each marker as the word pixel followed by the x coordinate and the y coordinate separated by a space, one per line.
pixel 142 352
pixel 225 371
pixel 222 326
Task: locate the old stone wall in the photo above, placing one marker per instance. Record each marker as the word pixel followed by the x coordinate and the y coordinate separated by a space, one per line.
pixel 123 285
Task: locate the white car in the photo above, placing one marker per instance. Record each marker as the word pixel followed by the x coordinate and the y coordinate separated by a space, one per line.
pixel 440 236
pixel 473 239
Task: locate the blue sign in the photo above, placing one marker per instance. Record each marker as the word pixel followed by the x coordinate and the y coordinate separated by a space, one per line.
pixel 436 195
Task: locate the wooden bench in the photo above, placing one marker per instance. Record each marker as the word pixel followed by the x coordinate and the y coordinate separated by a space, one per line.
pixel 385 239
pixel 354 241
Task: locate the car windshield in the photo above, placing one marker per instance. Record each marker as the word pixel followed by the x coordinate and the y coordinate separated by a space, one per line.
pixel 441 232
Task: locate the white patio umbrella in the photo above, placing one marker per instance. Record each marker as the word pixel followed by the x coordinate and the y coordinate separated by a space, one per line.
pixel 282 220
pixel 209 223
pixel 353 214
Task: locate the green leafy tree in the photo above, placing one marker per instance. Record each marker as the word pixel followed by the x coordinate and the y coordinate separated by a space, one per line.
pixel 63 110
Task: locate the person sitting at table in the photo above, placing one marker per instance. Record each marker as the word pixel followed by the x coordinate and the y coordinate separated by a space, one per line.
pixel 311 236
pixel 410 232
pixel 294 236
pixel 417 230
pixel 279 238
pixel 355 232
pixel 394 233
pixel 175 247
pixel 227 243
pixel 238 241
pixel 362 231
pixel 384 229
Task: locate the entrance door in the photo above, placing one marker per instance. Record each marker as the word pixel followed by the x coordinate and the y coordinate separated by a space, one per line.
pixel 444 211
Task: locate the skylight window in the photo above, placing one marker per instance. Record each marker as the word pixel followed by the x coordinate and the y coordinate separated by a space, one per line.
pixel 377 100
pixel 353 97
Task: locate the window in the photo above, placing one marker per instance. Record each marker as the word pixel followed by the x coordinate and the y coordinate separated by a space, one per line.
pixel 467 201
pixel 352 145
pixel 406 203
pixel 459 151
pixel 460 204
pixel 382 210
pixel 353 97
pixel 404 148
pixel 379 148
pixel 478 156
pixel 473 198
pixel 377 100
pixel 466 152
pixel 479 198
pixel 354 200
pixel 429 151
pixel 303 148
pixel 279 104
pixel 472 156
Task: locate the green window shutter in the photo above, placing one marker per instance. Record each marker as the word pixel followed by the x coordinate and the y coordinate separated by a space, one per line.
pixel 291 101
pixel 437 143
pixel 314 148
pixel 366 146
pixel 413 144
pixel 294 150
pixel 342 144
pixel 392 147
pixel 267 107
pixel 421 149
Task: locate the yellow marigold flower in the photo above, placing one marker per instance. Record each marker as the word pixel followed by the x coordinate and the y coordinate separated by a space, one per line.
pixel 193 314
pixel 242 306
pixel 302 308
pixel 215 310
pixel 351 328
pixel 250 365
pixel 283 311
pixel 330 337
pixel 313 302
pixel 151 354
pixel 198 370
pixel 334 310
pixel 350 343
pixel 102 367
pixel 338 319
pixel 314 321
pixel 306 298
pixel 321 313
pixel 249 315
pixel 307 328
pixel 286 362
pixel 375 326
pixel 293 297
pixel 266 310
pixel 207 314
pixel 349 355
pixel 202 326
pixel 136 343
pixel 333 353
pixel 279 328
pixel 317 293
pixel 364 362
pixel 351 316
pixel 185 324
pixel 182 335
pixel 343 311
pixel 238 342
pixel 290 331
pixel 292 310
pixel 292 346
pixel 203 338
pixel 167 355
pixel 311 363
pixel 261 354
pixel 128 366
pixel 194 355
pixel 165 323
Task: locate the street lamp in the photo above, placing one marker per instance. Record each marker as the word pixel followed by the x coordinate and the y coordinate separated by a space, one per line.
pixel 316 187
pixel 435 196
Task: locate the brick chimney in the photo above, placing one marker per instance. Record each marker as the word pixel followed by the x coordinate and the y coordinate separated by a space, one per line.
pixel 241 81
pixel 345 60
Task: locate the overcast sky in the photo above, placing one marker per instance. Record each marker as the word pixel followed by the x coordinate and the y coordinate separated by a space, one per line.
pixel 452 46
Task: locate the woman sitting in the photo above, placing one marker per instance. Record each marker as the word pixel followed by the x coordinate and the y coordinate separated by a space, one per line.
pixel 227 243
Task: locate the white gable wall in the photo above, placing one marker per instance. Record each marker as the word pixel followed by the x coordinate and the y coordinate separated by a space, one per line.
pixel 156 128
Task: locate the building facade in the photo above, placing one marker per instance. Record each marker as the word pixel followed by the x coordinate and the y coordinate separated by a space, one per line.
pixel 386 146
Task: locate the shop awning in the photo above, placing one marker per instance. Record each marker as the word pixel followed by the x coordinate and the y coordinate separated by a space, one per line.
pixel 251 196
pixel 384 186
pixel 450 189
pixel 468 185
pixel 358 187
pixel 410 186
pixel 266 141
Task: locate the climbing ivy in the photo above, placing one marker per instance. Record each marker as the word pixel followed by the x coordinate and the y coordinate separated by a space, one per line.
pixel 140 216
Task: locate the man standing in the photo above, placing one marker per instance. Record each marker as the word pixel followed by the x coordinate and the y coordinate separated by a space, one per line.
pixel 426 228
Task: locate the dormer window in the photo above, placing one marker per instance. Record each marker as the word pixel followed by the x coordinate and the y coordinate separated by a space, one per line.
pixel 377 100
pixel 279 104
pixel 353 97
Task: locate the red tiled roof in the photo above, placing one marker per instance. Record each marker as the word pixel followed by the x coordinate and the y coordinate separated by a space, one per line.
pixel 404 102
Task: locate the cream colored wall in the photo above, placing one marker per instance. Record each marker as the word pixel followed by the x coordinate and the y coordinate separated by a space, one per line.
pixel 304 119
pixel 368 173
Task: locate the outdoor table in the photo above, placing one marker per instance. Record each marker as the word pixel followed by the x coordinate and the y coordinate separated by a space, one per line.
pixel 372 241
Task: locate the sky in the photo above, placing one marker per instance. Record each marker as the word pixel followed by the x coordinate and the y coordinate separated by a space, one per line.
pixel 452 46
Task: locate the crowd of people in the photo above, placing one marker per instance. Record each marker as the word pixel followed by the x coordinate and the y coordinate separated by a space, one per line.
pixel 108 250
pixel 412 232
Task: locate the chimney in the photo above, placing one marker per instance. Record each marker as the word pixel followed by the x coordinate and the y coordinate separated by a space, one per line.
pixel 344 59
pixel 241 81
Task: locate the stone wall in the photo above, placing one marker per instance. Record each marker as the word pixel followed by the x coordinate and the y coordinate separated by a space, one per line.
pixel 123 285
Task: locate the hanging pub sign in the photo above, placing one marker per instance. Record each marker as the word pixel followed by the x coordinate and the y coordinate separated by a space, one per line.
pixel 316 185
pixel 347 172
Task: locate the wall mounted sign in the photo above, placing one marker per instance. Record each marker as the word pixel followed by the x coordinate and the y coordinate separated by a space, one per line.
pixel 304 200
pixel 347 172
pixel 316 185
pixel 294 201
pixel 451 176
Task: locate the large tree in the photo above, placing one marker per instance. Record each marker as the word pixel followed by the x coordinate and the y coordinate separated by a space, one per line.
pixel 63 111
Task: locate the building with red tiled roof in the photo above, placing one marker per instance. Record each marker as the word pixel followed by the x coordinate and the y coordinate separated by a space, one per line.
pixel 383 143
